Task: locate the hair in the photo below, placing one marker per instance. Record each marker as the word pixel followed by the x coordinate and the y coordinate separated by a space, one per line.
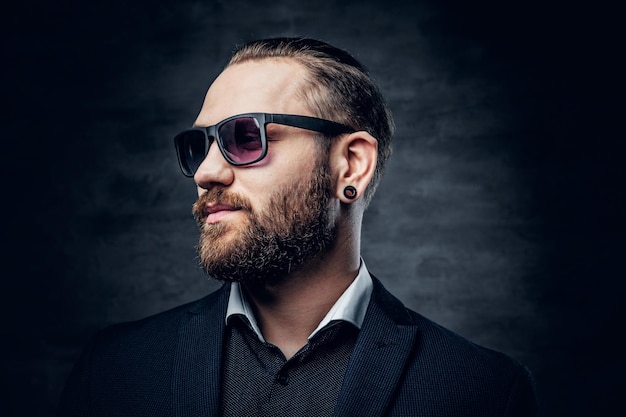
pixel 338 88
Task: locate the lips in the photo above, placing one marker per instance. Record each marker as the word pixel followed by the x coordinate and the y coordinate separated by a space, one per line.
pixel 213 212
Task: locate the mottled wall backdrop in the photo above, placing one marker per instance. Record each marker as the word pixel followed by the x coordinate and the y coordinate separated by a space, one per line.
pixel 500 215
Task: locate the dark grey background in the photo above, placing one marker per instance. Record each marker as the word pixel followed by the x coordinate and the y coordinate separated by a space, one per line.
pixel 500 215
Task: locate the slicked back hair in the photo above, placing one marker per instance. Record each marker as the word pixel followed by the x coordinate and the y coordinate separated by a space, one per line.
pixel 338 88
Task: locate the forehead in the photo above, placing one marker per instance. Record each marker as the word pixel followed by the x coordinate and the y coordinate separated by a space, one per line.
pixel 268 86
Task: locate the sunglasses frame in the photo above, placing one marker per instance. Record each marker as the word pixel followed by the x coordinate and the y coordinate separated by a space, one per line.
pixel 211 133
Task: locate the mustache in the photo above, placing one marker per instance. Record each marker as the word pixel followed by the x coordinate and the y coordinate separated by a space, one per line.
pixel 218 196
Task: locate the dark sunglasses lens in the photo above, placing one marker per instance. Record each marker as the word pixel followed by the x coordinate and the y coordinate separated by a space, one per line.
pixel 241 139
pixel 191 147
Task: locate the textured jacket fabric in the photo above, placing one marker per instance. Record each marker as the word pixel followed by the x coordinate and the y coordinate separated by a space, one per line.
pixel 402 365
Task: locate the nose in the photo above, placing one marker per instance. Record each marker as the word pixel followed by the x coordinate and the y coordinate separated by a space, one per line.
pixel 214 170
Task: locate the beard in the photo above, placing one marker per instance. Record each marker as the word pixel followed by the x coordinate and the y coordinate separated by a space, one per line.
pixel 294 228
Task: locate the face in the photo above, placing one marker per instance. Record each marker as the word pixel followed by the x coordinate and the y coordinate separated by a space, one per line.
pixel 261 222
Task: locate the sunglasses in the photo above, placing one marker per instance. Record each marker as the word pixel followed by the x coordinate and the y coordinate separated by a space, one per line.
pixel 242 139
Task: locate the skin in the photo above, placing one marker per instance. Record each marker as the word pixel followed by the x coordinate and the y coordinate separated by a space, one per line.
pixel 287 313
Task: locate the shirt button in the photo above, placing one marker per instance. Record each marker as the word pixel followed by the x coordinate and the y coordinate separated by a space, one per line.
pixel 283 379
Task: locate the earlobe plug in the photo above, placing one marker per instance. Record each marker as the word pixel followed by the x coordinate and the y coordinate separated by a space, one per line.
pixel 349 192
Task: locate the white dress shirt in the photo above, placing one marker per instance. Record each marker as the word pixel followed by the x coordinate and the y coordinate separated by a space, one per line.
pixel 351 306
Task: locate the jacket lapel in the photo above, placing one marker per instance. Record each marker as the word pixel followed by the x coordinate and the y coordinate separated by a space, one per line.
pixel 197 360
pixel 386 342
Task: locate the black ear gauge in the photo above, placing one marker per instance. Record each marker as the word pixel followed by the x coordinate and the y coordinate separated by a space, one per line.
pixel 350 192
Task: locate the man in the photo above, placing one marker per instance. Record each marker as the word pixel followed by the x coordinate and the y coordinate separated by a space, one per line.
pixel 286 152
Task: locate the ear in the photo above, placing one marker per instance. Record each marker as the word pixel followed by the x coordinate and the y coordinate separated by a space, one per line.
pixel 353 162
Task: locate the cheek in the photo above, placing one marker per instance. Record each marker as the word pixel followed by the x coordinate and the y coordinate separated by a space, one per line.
pixel 289 162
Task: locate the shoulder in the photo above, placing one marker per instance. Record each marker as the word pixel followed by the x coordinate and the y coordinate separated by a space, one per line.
pixel 452 368
pixel 128 362
pixel 433 338
pixel 157 328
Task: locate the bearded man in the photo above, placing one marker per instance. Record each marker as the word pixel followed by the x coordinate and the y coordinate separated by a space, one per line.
pixel 286 153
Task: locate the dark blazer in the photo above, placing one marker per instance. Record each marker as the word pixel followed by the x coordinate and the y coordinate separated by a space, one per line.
pixel 402 365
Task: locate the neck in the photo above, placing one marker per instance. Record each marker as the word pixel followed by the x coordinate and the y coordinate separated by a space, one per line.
pixel 287 313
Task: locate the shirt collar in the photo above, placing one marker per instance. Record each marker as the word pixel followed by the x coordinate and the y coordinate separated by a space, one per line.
pixel 351 305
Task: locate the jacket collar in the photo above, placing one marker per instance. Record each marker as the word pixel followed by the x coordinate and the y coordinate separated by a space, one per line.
pixel 383 349
pixel 197 361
